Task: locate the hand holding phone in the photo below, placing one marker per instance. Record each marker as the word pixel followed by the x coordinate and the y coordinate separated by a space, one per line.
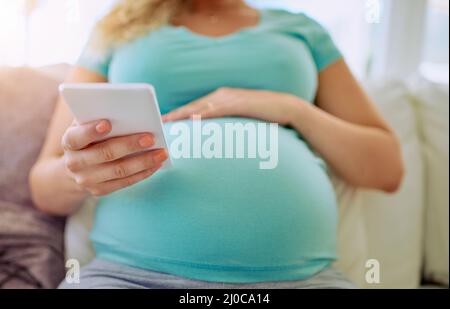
pixel 114 141
pixel 113 164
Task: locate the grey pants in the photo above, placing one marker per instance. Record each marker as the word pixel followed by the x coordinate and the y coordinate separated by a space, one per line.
pixel 101 274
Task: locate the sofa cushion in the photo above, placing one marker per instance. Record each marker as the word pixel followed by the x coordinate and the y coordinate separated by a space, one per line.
pixel 78 228
pixel 352 235
pixel 29 239
pixel 394 223
pixel 432 104
pixel 27 100
pixel 31 251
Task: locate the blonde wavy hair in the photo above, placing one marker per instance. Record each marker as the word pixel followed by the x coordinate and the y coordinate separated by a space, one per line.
pixel 130 19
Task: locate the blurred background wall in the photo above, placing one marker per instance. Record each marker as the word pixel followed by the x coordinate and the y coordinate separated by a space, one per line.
pixel 371 33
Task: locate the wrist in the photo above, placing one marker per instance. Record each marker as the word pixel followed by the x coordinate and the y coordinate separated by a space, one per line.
pixel 53 190
pixel 295 109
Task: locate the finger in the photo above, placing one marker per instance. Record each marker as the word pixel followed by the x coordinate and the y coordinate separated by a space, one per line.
pixel 78 137
pixel 122 168
pixel 110 150
pixel 213 112
pixel 115 185
pixel 179 114
pixel 186 111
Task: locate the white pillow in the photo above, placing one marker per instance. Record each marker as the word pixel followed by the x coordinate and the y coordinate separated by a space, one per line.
pixel 76 237
pixel 432 102
pixel 394 223
pixel 352 238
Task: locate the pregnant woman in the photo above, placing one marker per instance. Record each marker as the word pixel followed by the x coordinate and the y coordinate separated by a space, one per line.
pixel 216 222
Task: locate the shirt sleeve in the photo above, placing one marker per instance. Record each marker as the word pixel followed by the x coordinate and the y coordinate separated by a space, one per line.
pixel 323 49
pixel 94 57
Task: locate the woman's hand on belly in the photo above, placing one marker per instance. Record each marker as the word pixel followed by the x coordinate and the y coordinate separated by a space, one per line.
pixel 258 104
pixel 101 168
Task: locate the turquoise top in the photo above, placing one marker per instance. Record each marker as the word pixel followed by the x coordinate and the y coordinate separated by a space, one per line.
pixel 218 219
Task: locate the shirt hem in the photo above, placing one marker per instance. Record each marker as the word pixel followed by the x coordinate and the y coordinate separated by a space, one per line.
pixel 220 273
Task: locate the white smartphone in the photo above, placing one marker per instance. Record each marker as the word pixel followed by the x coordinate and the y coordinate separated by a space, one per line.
pixel 131 108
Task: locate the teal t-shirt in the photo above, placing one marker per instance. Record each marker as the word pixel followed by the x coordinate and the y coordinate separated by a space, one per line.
pixel 224 220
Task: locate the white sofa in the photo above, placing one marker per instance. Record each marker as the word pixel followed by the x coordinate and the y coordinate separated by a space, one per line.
pixel 407 233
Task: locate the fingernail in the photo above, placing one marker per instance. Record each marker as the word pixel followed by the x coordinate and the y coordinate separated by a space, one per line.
pixel 146 141
pixel 161 156
pixel 102 127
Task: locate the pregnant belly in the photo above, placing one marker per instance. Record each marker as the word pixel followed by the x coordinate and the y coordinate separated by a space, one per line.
pixel 225 212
